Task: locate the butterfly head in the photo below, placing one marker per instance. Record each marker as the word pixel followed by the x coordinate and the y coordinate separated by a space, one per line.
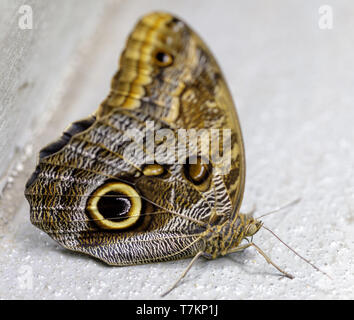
pixel 252 226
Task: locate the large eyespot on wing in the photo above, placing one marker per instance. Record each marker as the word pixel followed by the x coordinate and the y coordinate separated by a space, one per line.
pixel 115 206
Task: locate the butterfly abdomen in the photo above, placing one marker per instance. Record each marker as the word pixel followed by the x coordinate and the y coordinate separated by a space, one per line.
pixel 219 239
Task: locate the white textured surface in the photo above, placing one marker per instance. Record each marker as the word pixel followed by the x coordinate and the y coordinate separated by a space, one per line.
pixel 292 84
pixel 35 62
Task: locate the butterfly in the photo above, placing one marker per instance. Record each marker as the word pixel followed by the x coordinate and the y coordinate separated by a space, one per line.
pixel 100 191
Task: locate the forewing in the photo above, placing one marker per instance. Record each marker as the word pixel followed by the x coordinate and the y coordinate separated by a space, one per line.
pixel 188 92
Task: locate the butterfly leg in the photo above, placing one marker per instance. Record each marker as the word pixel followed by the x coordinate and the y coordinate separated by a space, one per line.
pixel 200 253
pixel 288 275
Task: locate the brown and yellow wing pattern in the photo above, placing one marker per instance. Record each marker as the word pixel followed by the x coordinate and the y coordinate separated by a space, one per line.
pixel 93 193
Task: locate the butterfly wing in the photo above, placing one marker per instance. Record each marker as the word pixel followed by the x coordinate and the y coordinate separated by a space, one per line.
pixel 187 91
pixel 100 190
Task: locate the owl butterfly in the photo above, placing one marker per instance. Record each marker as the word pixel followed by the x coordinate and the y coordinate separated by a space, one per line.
pixel 92 196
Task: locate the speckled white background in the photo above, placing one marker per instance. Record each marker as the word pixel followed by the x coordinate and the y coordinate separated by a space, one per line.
pixel 293 87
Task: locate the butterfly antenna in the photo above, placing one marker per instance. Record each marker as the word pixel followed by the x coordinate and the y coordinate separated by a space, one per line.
pixel 291 203
pixel 301 257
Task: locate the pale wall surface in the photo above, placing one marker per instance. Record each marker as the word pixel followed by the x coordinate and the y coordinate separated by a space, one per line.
pixel 292 83
pixel 35 62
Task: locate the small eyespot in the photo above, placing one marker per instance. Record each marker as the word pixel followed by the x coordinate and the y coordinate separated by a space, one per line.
pixel 162 58
pixel 198 171
pixel 115 206
pixel 176 25
pixel 153 170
